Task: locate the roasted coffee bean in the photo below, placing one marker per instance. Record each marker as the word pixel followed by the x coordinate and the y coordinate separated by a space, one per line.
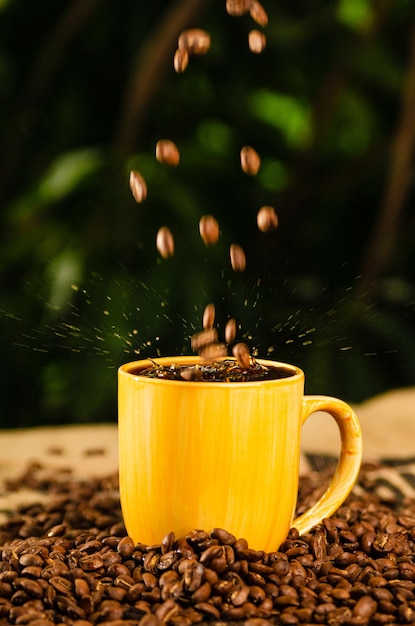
pixel 208 609
pixel 204 338
pixel 62 585
pixel 81 587
pixel 213 352
pixel 209 229
pixel 126 547
pixel 138 186
pixel 223 536
pixel 210 576
pixel 183 548
pixel 31 559
pixel 364 608
pixel 257 41
pixel 29 586
pixel 195 41
pixel 258 13
pixel 230 331
pixel 238 7
pixel 167 543
pixel 242 355
pixel 238 260
pixel 267 219
pixel 165 242
pixel 250 160
pixel 167 560
pixel 209 316
pixel 181 60
pixel 191 373
pixel 167 152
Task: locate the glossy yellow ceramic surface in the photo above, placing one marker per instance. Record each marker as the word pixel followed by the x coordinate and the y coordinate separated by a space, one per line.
pixel 204 455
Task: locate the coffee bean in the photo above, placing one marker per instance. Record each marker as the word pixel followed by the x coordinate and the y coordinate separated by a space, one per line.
pixel 167 152
pixel 203 593
pixel 267 219
pixel 138 186
pixel 230 331
pixel 191 373
pixel 257 41
pixel 208 609
pixel 237 7
pixel 204 338
pixel 29 559
pixel 242 355
pixel 223 536
pixel 165 242
pixel 213 352
pixel 195 41
pixel 250 160
pixel 258 13
pixel 181 60
pixel 31 587
pixel 81 587
pixel 238 259
pixel 209 229
pixel 126 547
pixel 209 316
pixel 364 608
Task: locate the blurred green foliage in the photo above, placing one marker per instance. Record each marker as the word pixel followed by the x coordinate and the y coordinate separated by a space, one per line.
pixel 87 89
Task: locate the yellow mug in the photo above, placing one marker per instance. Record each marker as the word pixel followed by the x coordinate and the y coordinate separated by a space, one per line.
pixel 204 455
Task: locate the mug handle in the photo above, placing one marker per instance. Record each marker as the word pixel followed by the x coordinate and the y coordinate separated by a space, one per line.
pixel 348 464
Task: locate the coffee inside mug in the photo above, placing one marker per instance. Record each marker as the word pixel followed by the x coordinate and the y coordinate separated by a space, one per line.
pixel 225 370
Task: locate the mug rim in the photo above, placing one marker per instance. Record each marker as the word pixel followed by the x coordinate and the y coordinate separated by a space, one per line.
pixel 126 368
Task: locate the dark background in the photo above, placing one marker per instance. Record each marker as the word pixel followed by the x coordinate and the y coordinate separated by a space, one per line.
pixel 87 88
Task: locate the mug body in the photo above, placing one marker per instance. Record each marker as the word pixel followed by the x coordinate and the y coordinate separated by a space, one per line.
pixel 200 455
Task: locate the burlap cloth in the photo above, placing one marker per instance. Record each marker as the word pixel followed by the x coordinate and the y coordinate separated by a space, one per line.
pixel 387 422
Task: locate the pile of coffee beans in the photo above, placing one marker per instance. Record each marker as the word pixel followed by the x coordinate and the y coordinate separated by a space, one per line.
pixel 67 560
pixel 196 42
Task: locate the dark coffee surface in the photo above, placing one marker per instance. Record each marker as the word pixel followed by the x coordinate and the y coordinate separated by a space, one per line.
pixel 222 371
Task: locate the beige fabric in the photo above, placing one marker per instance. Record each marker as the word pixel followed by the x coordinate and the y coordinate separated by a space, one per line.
pixel 388 425
pixel 387 421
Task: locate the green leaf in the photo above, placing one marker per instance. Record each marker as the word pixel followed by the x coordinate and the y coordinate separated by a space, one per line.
pixel 285 113
pixel 67 172
pixel 356 14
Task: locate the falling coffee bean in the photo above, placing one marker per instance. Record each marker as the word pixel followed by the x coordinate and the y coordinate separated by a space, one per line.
pixel 195 41
pixel 181 60
pixel 138 186
pixel 230 331
pixel 204 338
pixel 209 229
pixel 250 160
pixel 258 13
pixel 238 259
pixel 267 219
pixel 167 152
pixel 237 7
pixel 165 242
pixel 257 41
pixel 212 352
pixel 242 355
pixel 209 316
